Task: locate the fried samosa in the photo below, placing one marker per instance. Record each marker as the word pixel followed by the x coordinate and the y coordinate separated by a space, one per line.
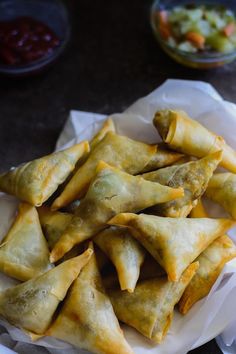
pixel 24 252
pixel 114 149
pixel 150 307
pixel 53 223
pixel 222 189
pixel 192 176
pixel 31 305
pixel 125 253
pixel 35 181
pixel 162 158
pixel 108 126
pixel 112 191
pixel 190 137
pixel 87 319
pixel 173 242
pixel 211 263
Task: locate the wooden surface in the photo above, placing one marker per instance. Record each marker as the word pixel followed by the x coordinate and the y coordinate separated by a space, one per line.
pixel 111 61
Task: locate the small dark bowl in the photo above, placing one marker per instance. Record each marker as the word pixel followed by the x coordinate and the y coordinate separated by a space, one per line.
pixel 193 60
pixel 52 13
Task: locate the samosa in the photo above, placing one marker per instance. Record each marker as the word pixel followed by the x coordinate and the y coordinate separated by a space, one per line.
pixel 114 149
pixel 222 190
pixel 24 252
pixel 173 242
pixel 53 223
pixel 150 307
pixel 162 158
pixel 31 305
pixel 112 191
pixel 35 181
pixel 186 135
pixel 192 176
pixel 211 262
pixel 87 319
pixel 125 253
pixel 108 126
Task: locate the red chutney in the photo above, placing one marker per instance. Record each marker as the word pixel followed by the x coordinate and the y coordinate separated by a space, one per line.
pixel 24 40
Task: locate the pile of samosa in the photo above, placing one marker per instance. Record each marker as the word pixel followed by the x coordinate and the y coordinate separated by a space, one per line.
pixel 131 239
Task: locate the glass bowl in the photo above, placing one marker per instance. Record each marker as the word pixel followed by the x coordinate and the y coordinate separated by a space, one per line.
pixel 52 13
pixel 194 60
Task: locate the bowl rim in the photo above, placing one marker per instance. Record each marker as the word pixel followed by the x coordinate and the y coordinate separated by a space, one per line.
pixel 39 64
pixel 194 57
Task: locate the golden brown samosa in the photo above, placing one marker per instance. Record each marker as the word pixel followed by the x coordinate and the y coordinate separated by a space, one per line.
pixel 108 126
pixel 35 181
pixel 114 149
pixel 162 158
pixel 173 242
pixel 211 263
pixel 111 192
pixel 24 252
pixel 150 307
pixel 192 176
pixel 31 305
pixel 222 189
pixel 53 224
pixel 190 137
pixel 125 253
pixel 87 319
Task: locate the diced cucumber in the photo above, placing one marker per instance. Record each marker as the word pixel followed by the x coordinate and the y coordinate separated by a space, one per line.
pixel 220 43
pixel 203 27
pixel 215 19
pixel 177 15
pixel 187 46
pixel 187 26
pixel 194 15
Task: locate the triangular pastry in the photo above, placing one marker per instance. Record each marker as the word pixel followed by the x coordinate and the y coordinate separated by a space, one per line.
pixel 24 252
pixel 31 305
pixel 150 307
pixel 211 262
pixel 125 253
pixel 111 192
pixel 186 135
pixel 35 181
pixel 192 176
pixel 87 319
pixel 173 242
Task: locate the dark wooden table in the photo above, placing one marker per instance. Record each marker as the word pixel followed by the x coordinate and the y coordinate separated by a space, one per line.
pixel 111 61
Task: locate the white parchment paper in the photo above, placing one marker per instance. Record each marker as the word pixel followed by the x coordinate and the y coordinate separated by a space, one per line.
pixel 209 317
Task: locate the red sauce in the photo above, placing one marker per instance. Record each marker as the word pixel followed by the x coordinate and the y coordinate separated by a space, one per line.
pixel 24 40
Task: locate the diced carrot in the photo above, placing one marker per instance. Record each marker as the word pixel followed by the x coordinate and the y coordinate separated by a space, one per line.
pixel 196 39
pixel 229 29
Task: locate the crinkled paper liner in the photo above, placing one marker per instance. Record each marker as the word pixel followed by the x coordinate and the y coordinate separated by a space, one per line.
pixel 212 315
